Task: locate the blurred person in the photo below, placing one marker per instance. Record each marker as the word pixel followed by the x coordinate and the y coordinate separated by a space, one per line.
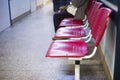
pixel 59 16
pixel 56 5
pixel 81 6
pixel 64 2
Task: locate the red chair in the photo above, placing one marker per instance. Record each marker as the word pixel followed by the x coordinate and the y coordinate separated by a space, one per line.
pixel 77 32
pixel 77 22
pixel 77 49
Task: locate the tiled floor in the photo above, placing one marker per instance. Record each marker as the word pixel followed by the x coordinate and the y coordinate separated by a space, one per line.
pixel 23 47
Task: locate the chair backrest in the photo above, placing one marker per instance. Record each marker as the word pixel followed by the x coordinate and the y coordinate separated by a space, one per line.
pixel 89 7
pixel 94 11
pixel 100 24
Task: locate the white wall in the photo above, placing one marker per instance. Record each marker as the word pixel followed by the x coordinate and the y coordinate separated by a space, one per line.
pixel 39 2
pixel 4 15
pixel 18 7
pixel 45 1
pixel 108 46
pixel 33 5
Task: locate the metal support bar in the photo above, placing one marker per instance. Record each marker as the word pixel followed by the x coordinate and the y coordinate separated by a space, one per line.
pixel 77 70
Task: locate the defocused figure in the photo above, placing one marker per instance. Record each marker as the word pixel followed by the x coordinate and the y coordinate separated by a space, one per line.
pixel 81 6
pixel 64 2
pixel 59 16
pixel 56 5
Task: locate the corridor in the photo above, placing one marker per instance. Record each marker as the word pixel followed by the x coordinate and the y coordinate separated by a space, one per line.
pixel 23 48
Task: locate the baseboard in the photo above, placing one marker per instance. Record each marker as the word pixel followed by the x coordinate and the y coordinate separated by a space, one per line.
pixel 20 17
pixel 106 69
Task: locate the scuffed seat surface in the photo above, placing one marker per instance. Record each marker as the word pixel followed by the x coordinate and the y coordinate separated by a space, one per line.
pixel 71 22
pixel 67 49
pixel 70 33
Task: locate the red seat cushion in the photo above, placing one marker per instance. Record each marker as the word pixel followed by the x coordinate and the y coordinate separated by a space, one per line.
pixel 69 32
pixel 71 22
pixel 67 49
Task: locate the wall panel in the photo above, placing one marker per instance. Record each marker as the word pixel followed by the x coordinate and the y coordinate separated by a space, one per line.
pixel 4 15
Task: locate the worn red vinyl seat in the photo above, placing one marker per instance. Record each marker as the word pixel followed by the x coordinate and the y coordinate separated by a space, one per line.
pixel 65 46
pixel 77 22
pixel 66 33
pixel 64 49
pixel 78 49
pixel 71 22
pixel 77 32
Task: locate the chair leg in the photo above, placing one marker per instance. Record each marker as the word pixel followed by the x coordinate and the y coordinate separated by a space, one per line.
pixel 77 70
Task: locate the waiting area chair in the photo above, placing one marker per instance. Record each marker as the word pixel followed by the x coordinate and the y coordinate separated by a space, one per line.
pixel 77 32
pixel 77 50
pixel 77 22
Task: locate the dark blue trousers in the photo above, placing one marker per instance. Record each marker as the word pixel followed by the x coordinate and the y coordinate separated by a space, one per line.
pixel 58 3
pixel 59 16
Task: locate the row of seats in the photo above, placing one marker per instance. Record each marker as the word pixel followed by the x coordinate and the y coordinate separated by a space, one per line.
pixel 76 31
pixel 69 41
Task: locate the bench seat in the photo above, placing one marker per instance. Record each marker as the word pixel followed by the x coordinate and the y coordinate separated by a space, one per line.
pixel 69 32
pixel 67 49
